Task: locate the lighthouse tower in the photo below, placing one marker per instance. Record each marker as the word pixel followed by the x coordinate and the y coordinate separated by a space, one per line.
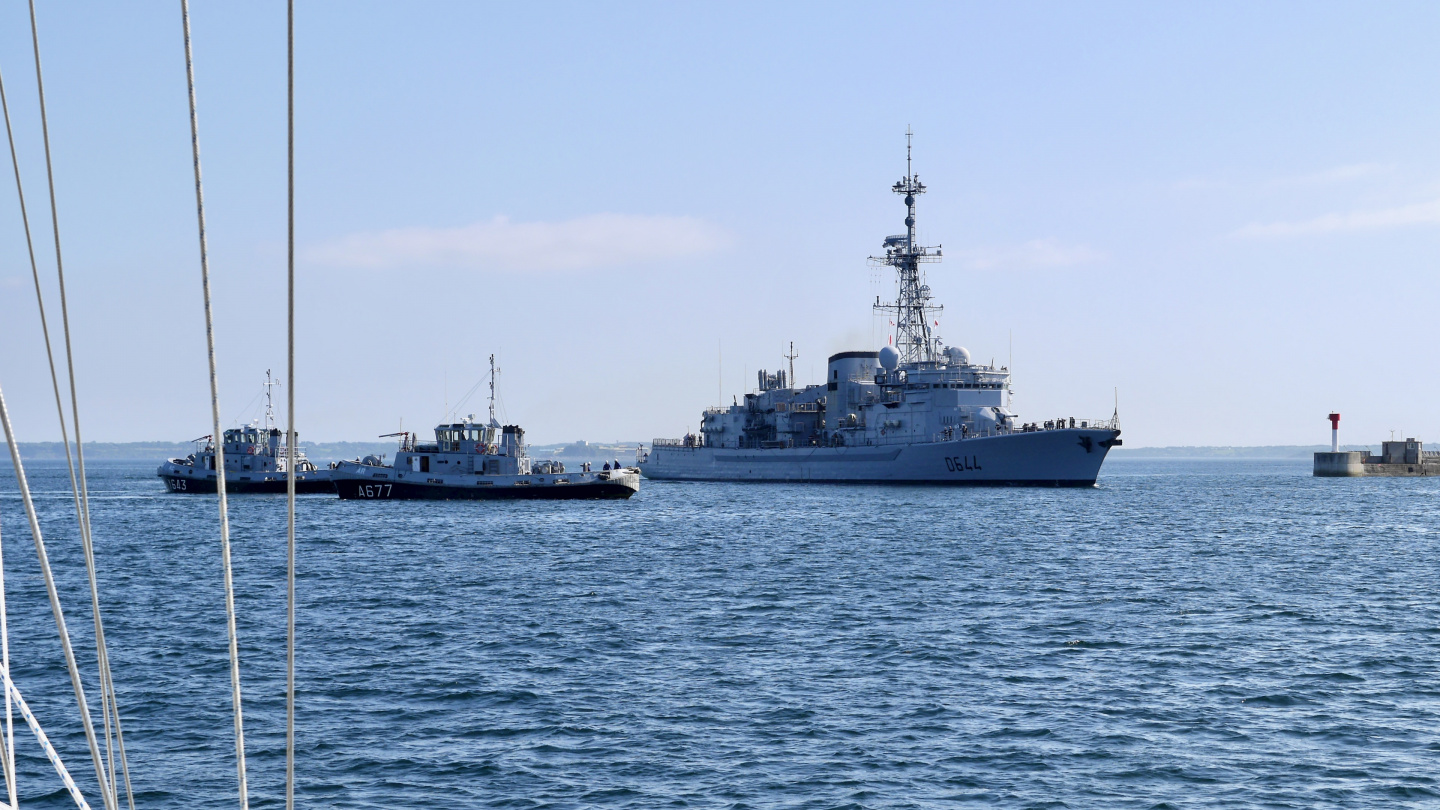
pixel 1336 464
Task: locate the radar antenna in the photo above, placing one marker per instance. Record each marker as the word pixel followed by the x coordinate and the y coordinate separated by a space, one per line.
pixel 911 310
pixel 791 357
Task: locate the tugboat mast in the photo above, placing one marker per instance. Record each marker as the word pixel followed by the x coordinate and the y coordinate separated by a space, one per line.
pixel 269 404
pixel 912 310
pixel 493 423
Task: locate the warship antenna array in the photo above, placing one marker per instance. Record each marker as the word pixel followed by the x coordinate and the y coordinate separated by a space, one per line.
pixel 911 311
pixel 791 357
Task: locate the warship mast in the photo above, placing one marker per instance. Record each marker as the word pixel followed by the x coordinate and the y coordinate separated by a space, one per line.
pixel 911 310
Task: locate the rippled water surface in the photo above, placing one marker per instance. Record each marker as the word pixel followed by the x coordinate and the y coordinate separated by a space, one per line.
pixel 1187 634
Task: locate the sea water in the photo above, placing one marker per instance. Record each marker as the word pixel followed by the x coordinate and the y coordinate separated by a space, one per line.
pixel 1185 634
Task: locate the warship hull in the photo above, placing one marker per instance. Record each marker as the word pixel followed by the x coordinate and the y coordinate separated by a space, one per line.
pixel 368 486
pixel 1048 458
pixel 309 484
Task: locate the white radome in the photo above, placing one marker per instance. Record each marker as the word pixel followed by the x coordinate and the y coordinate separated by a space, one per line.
pixel 959 355
pixel 889 358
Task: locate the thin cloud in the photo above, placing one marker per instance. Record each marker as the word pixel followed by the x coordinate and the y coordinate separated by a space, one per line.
pixel 1035 254
pixel 1345 174
pixel 1200 184
pixel 595 240
pixel 1426 213
pixel 1349 173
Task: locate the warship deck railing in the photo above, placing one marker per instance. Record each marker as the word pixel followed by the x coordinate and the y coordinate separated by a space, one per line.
pixel 1067 423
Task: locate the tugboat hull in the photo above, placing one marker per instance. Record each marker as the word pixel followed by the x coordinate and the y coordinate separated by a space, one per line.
pixel 254 461
pixel 312 483
pixel 365 486
pixel 474 462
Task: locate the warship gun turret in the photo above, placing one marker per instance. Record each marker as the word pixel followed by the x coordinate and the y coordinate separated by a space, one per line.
pixel 915 411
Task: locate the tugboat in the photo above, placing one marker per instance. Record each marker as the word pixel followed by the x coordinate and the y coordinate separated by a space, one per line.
pixel 254 461
pixel 469 461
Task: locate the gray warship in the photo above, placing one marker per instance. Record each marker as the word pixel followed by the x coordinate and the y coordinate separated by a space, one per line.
pixel 471 461
pixel 914 412
pixel 255 460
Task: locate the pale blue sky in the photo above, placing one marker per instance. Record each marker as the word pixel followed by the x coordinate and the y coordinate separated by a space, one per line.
pixel 1231 212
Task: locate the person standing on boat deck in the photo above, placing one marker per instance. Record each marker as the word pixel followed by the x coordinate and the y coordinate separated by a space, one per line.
pixel 607 465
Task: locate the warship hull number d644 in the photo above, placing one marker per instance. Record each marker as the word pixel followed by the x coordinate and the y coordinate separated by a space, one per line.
pixel 962 463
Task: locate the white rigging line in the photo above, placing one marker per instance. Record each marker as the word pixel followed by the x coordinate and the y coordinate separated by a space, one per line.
pixel 250 408
pixel 59 626
pixel 64 435
pixel 9 744
pixel 9 741
pixel 106 778
pixel 215 417
pixel 12 698
pixel 455 411
pixel 290 419
pixel 13 693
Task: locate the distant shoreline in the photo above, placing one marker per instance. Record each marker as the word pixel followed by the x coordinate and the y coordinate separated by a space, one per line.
pixel 320 452
pixel 330 451
pixel 1276 451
